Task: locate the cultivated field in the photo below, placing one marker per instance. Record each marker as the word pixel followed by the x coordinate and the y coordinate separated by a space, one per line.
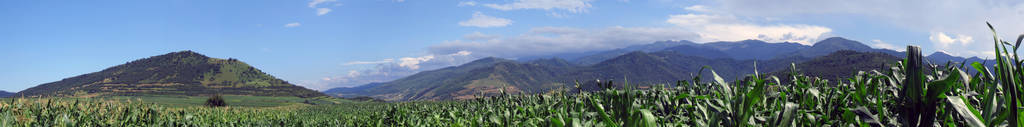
pixel 907 95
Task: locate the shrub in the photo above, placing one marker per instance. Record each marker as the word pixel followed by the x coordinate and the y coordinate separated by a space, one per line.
pixel 216 101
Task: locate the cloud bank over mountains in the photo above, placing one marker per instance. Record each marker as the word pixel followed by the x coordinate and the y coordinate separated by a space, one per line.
pixel 390 69
pixel 945 23
pixel 716 27
pixel 552 40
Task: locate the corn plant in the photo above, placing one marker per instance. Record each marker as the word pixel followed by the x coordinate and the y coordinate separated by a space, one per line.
pixel 910 93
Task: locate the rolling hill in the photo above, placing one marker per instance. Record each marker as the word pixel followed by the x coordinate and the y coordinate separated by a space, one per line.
pixel 179 73
pixel 755 49
pixel 741 50
pixel 833 44
pixel 841 65
pixel 657 63
pixel 5 93
pixel 605 55
pixel 488 76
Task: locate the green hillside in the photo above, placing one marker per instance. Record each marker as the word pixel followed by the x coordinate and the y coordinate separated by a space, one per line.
pixel 491 76
pixel 841 65
pixel 487 77
pixel 179 73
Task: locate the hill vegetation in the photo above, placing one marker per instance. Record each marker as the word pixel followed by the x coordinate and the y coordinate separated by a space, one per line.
pixel 486 77
pixel 950 97
pixel 657 63
pixel 179 73
pixel 841 65
pixel 651 64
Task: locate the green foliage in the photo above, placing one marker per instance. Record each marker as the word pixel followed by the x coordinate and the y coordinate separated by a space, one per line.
pixel 179 73
pixel 216 101
pixel 643 68
pixel 903 95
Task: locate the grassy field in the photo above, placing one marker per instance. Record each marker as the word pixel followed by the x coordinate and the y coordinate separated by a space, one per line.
pixel 905 95
pixel 234 100
pixel 176 101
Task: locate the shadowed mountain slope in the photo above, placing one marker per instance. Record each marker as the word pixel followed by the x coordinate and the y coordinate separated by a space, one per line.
pixel 477 79
pixel 832 58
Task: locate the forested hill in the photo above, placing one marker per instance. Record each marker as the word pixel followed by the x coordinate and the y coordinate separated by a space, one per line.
pixel 491 75
pixel 178 73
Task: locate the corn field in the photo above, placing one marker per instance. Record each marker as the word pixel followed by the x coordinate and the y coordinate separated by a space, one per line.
pixel 905 95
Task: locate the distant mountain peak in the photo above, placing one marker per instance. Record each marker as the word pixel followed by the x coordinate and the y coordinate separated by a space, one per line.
pixel 483 62
pixel 636 56
pixel 941 57
pixel 832 41
pixel 5 93
pixel 836 39
pixel 487 75
pixel 636 53
pixel 942 54
pixel 551 62
pixel 490 59
pixel 187 53
pixel 671 42
pixel 659 45
pixel 829 45
pixel 752 41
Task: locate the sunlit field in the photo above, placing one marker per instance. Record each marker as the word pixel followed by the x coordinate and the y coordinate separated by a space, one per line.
pixel 909 94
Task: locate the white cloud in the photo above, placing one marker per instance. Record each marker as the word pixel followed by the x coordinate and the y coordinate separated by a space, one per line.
pixel 322 11
pixel 698 8
pixel 390 69
pixel 966 17
pixel 479 36
pixel 484 21
pixel 413 62
pixel 314 3
pixel 352 73
pixel 467 3
pixel 574 6
pixel 882 44
pixel 552 40
pixel 462 53
pixel 700 19
pixel 943 41
pixel 713 27
pixel 293 24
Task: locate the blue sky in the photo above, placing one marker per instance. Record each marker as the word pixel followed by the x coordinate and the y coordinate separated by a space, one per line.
pixel 335 43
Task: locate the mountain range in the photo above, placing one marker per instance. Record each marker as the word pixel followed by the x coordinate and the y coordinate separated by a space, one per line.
pixel 5 93
pixel 661 62
pixel 178 73
pixel 188 73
